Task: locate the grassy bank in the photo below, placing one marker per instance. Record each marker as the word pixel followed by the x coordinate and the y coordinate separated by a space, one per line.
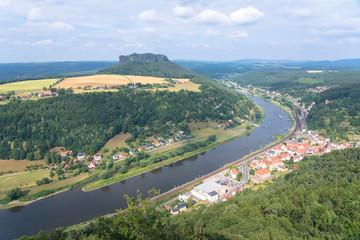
pixel 43 191
pixel 222 139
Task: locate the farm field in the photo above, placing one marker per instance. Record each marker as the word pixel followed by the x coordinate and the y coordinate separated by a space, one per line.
pixel 17 165
pixel 27 86
pixel 78 83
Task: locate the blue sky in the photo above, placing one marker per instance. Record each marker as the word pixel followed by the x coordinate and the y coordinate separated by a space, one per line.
pixel 69 30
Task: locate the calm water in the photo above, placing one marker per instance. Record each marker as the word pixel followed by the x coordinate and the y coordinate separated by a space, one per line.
pixel 75 206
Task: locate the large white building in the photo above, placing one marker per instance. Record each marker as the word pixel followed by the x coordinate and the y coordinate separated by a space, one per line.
pixel 209 190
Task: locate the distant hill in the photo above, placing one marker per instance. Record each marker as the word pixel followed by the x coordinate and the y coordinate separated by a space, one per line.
pixel 147 64
pixel 46 69
pixel 219 70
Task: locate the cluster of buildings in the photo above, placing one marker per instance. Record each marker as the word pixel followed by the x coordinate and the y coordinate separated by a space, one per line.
pixel 80 157
pixel 318 89
pixel 273 159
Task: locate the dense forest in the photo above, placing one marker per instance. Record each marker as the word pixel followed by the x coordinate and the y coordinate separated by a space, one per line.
pixel 341 116
pixel 289 80
pixel 85 122
pixel 220 70
pixel 320 200
pixel 165 69
pixel 19 71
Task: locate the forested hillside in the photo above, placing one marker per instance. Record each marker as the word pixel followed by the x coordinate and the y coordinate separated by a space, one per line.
pixel 147 65
pixel 85 122
pixel 340 118
pixel 13 71
pixel 320 200
pixel 288 80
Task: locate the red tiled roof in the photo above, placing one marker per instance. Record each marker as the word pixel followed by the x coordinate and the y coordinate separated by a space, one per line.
pixel 234 171
pixel 262 171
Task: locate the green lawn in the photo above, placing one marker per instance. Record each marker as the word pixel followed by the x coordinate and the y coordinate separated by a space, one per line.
pixel 27 86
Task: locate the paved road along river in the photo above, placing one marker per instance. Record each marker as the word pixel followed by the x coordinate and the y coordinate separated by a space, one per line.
pixel 75 206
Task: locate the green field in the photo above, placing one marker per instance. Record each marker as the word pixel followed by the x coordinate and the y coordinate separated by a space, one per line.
pixel 27 86
pixel 308 80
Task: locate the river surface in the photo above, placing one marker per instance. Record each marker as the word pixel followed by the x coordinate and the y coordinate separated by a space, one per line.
pixel 75 206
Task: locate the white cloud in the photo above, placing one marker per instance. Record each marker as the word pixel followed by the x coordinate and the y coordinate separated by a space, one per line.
pixel 298 13
pixel 183 12
pixel 45 42
pixel 21 43
pixel 211 17
pixel 90 44
pixel 239 34
pixel 211 32
pixel 2 40
pixel 246 16
pixel 148 16
pixel 148 29
pixel 4 3
pixel 338 27
pixel 35 14
pixel 51 25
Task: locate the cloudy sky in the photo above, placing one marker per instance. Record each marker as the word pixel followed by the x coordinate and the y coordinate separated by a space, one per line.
pixel 67 30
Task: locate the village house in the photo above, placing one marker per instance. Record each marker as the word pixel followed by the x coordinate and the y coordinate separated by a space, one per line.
pixel 66 153
pixel 97 158
pixel 132 152
pixel 156 144
pixel 119 156
pixel 2 97
pixel 91 165
pixel 261 175
pixel 233 173
pixel 67 167
pixel 80 156
pixel 140 149
pixel 47 93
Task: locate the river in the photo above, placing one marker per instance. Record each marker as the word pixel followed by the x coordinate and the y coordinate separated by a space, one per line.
pixel 75 206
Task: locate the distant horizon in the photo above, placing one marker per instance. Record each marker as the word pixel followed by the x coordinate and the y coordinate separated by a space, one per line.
pixel 194 60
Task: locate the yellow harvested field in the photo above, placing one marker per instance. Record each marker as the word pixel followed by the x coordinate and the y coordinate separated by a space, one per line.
pixel 27 86
pixel 94 81
pixel 17 165
pixel 185 86
pixel 111 80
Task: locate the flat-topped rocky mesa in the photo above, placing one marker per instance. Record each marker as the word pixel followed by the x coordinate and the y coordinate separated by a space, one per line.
pixel 143 57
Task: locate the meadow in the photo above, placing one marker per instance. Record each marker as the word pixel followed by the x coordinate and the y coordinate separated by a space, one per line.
pixel 78 83
pixel 27 86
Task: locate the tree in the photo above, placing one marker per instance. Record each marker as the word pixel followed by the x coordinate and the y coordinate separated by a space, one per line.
pixel 239 176
pixel 252 172
pixel 189 202
pixel 51 174
pixel 14 193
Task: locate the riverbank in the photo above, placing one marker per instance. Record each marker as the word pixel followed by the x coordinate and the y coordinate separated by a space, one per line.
pixel 28 199
pixel 227 137
pixel 162 198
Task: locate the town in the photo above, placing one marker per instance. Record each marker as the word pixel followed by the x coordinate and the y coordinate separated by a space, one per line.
pixel 263 167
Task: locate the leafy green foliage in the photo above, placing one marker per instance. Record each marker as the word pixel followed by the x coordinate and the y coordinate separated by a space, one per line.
pixel 148 68
pixel 289 80
pixel 85 122
pixel 14 193
pixel 341 116
pixel 319 200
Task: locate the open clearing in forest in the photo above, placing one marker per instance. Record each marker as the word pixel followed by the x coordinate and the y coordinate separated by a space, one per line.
pixel 27 86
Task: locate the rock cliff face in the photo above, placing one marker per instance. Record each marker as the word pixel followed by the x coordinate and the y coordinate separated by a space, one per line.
pixel 143 57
